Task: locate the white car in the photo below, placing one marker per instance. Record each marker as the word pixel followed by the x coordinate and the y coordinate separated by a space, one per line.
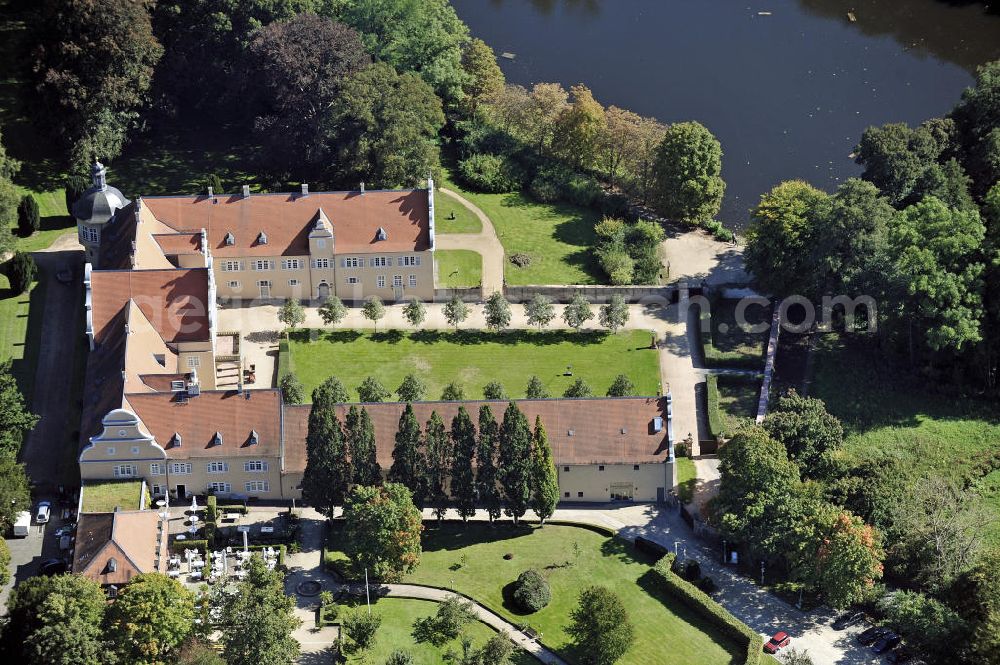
pixel 43 512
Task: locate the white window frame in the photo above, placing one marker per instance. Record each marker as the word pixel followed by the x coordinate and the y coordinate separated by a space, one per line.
pixel 262 264
pixel 397 281
pixel 230 266
pixel 255 466
pixel 351 279
pixel 217 467
pixel 257 486
pixel 126 471
pixel 156 469
pixel 180 468
pixel 322 264
pixel 234 284
pixel 291 264
pixel 413 281
pixel 380 262
pixel 409 261
pixel 220 487
pixel 156 490
pixel 90 234
pixel 380 282
pixel 193 362
pixel 293 282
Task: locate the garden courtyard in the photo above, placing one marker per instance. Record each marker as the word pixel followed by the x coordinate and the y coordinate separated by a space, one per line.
pixel 474 358
pixel 482 562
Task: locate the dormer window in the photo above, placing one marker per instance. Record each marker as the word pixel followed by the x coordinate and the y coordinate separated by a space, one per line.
pixel 254 438
pixel 112 565
pixel 230 239
pixel 262 238
pixel 176 441
pixel 217 439
pixel 381 234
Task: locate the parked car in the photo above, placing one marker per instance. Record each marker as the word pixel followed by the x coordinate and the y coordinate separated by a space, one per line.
pixel 51 567
pixel 779 641
pixel 886 642
pixel 66 530
pixel 43 512
pixel 847 619
pixel 22 526
pixel 872 635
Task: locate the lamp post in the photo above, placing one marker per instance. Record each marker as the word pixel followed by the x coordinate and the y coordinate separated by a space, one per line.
pixel 762 572
pixel 676 542
pixel 368 596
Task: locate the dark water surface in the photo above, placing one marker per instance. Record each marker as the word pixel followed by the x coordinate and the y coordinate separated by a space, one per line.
pixel 787 94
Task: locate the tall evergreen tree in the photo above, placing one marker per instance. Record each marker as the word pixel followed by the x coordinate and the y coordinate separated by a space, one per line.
pixel 437 445
pixel 545 482
pixel 361 443
pixel 328 473
pixel 407 458
pixel 463 481
pixel 486 468
pixel 515 461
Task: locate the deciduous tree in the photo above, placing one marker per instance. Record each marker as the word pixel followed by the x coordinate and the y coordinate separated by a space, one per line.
pixel 92 65
pixel 15 418
pixel 600 627
pixel 578 312
pixel 807 430
pixel 382 530
pixel 455 312
pixel 150 619
pixel 494 390
pixel 292 314
pixel 332 311
pixel 372 390
pixel 415 312
pixel 373 310
pixel 621 387
pixel 536 389
pixel 412 389
pixel 497 312
pixel 15 493
pixel 578 129
pixel 614 313
pixel 483 75
pixel 539 311
pixel 453 392
pixel 579 388
pixel 688 184
pixel 292 391
pixel 257 618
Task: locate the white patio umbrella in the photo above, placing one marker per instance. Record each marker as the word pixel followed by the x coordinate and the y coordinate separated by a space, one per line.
pixel 194 503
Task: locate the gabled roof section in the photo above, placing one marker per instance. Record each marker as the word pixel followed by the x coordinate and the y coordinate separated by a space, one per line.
pixel 105 376
pixel 132 538
pixel 198 420
pixel 176 244
pixel 612 430
pixel 289 218
pixel 175 301
pixel 144 349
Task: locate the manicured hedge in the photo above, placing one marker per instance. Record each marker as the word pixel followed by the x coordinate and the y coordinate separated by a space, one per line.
pixel 284 359
pixel 716 424
pixel 697 600
pixel 178 546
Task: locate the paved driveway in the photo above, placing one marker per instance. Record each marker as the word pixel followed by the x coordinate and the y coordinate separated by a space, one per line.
pixel 485 243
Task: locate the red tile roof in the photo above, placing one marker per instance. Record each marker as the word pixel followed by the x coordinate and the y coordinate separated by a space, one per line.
pixel 198 419
pixel 131 538
pixel 287 220
pixel 580 431
pixel 174 301
pixel 179 243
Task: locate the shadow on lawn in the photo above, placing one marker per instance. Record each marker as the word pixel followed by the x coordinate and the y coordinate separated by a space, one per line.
pixel 456 536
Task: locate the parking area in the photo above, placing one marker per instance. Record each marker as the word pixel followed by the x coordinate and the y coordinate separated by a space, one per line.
pixel 41 544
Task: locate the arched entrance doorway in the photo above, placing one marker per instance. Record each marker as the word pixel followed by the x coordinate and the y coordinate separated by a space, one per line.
pixel 323 291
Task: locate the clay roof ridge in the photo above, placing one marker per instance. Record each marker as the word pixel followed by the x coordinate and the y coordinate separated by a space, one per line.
pixel 114 530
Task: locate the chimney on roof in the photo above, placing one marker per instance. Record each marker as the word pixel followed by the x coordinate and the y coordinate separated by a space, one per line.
pixel 246 191
pixel 362 186
pixel 305 189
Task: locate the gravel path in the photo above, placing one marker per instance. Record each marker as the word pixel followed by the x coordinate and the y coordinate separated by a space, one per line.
pixel 485 243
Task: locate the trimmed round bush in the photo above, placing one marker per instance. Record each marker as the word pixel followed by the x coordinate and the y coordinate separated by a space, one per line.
pixel 21 271
pixel 531 591
pixel 491 173
pixel 692 570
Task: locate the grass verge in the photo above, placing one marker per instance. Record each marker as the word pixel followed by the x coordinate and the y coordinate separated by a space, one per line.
pixel 450 216
pixel 730 343
pixel 475 358
pixel 687 476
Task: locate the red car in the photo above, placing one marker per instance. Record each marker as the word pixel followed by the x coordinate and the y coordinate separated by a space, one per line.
pixel 779 641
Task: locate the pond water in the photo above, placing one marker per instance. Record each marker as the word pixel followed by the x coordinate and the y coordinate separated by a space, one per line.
pixel 787 87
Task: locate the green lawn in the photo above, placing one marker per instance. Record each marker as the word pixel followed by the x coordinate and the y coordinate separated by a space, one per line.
pixel 558 237
pixel 686 478
pixel 470 559
pixel 732 343
pixel 888 415
pixel 475 358
pixel 458 268
pixel 446 207
pixel 21 331
pixel 398 615
pixel 738 397
pixel 104 496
